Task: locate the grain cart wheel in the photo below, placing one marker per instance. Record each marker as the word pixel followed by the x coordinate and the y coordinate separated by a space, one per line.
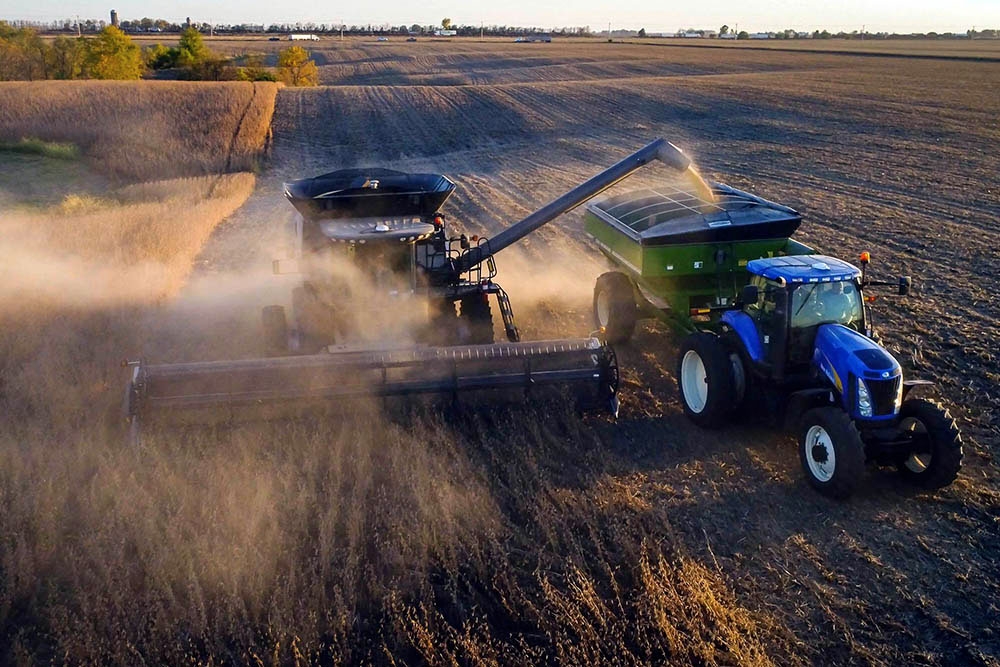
pixel 831 451
pixel 705 380
pixel 275 330
pixel 936 456
pixel 614 306
pixel 476 319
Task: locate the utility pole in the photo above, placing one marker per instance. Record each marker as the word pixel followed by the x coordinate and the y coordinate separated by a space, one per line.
pixel 609 29
pixel 78 31
pixel 341 29
pixel 480 31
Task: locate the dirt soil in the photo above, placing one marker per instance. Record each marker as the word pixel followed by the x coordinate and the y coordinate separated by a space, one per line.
pixel 890 155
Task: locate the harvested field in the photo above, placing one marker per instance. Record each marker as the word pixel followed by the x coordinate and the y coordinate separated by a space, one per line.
pixel 525 534
pixel 145 131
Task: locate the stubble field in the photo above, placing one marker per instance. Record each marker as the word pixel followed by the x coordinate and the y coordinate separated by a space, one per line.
pixel 526 534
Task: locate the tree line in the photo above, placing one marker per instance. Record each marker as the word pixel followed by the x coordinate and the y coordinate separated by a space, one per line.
pixel 111 54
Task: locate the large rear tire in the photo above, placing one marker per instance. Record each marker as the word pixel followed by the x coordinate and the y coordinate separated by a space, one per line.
pixel 831 452
pixel 705 380
pixel 938 457
pixel 476 319
pixel 275 330
pixel 614 306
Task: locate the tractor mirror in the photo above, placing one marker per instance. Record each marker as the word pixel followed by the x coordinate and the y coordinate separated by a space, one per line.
pixel 749 294
pixel 905 282
pixel 464 242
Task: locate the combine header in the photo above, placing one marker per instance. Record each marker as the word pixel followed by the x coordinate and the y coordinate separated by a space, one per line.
pixel 391 304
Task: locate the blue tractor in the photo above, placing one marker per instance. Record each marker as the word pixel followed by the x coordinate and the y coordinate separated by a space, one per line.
pixel 798 345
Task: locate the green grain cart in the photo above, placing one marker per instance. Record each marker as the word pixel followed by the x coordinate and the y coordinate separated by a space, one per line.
pixel 679 256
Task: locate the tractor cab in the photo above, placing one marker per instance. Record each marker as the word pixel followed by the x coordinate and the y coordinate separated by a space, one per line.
pixel 790 298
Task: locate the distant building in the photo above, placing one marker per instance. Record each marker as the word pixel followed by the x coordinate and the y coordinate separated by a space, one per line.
pixel 114 18
pixel 445 33
pixel 761 35
pixel 541 37
pixel 307 38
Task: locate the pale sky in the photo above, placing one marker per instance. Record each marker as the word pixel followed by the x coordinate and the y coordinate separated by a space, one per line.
pixel 653 15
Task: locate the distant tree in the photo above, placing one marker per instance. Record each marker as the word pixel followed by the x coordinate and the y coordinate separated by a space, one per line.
pixel 254 70
pixel 724 30
pixel 191 49
pixel 415 28
pixel 112 55
pixel 23 54
pixel 295 67
pixel 642 32
pixel 743 35
pixel 446 24
pixel 66 58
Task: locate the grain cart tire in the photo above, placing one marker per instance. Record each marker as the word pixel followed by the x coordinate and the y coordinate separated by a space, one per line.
pixel 705 380
pixel 936 462
pixel 831 451
pixel 476 319
pixel 614 306
pixel 275 330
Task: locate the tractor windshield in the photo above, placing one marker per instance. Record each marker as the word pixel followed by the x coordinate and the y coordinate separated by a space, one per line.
pixel 827 303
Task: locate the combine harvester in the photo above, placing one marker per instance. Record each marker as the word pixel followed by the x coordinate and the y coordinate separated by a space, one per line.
pixel 371 242
pixel 772 328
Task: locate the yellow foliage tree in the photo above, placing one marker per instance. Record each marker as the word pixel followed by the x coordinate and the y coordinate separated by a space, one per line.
pixel 113 55
pixel 296 69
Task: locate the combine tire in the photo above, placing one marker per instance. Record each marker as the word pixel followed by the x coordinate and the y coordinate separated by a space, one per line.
pixel 275 329
pixel 476 320
pixel 705 380
pixel 937 455
pixel 831 451
pixel 614 306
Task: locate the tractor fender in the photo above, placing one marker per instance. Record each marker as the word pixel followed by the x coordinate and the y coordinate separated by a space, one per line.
pixel 800 402
pixel 915 386
pixel 746 331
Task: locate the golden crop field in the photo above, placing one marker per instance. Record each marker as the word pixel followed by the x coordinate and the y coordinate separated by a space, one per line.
pixel 472 533
pixel 148 130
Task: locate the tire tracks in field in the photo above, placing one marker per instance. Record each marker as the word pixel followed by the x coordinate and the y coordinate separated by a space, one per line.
pixel 234 139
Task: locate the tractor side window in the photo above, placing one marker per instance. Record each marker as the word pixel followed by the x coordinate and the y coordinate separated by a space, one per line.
pixel 769 312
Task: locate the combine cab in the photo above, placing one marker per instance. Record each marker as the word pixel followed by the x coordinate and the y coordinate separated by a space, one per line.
pixel 391 303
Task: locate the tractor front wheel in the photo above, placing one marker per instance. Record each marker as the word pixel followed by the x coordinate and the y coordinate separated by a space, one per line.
pixel 614 306
pixel 831 451
pixel 705 380
pixel 936 456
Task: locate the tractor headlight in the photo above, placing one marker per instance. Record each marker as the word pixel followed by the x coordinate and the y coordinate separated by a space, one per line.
pixel 864 399
pixel 897 400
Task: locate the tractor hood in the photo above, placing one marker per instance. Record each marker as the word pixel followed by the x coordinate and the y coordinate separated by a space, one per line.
pixel 844 356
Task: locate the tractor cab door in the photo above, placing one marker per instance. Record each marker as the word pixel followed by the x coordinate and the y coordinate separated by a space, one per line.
pixel 770 315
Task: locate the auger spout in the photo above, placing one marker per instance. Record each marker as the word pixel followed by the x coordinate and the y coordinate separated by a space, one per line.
pixel 660 149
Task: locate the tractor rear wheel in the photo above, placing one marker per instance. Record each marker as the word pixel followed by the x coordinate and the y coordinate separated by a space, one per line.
pixel 275 330
pixel 936 458
pixel 476 319
pixel 831 451
pixel 614 306
pixel 705 380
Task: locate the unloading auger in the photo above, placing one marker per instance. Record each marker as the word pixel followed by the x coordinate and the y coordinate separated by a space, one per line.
pixel 386 226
